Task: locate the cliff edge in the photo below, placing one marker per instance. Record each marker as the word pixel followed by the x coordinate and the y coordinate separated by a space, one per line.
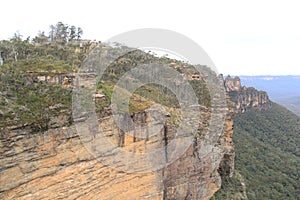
pixel 46 161
pixel 245 97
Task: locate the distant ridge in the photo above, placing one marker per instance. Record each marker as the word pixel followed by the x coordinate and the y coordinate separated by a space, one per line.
pixel 284 90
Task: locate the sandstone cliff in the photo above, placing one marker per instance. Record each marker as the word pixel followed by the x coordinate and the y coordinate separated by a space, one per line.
pixel 61 163
pixel 56 165
pixel 245 97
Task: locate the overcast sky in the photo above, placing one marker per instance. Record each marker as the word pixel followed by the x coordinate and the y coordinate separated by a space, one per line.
pixel 242 38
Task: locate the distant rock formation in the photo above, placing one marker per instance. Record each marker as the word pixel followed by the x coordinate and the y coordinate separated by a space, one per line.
pixel 245 97
pixel 232 84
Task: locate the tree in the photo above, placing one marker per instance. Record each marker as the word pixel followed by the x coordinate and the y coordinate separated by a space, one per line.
pixel 40 38
pixel 17 36
pixel 64 33
pixel 16 40
pixel 72 33
pixel 52 33
pixel 58 32
pixel 79 33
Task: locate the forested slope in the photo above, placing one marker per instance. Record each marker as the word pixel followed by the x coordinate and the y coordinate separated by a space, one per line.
pixel 267 145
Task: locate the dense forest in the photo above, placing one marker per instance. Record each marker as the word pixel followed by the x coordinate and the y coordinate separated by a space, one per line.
pixel 267 155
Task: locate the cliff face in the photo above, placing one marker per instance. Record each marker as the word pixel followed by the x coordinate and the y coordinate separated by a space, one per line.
pixel 56 165
pixel 246 98
pixel 191 177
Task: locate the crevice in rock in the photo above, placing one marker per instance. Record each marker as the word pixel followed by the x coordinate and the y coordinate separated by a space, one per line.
pixel 195 145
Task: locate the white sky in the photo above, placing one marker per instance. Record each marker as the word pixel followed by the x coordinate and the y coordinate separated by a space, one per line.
pixel 241 37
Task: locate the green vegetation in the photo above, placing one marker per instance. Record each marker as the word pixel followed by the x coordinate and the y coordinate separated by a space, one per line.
pixel 267 145
pixel 291 102
pixel 231 188
pixel 284 90
pixel 149 94
pixel 59 53
pixel 24 99
pixel 152 92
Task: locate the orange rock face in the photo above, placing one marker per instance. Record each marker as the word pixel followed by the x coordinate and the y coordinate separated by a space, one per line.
pixel 56 165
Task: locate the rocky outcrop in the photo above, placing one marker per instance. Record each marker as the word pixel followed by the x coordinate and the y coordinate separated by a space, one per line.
pixel 68 158
pixel 232 84
pixel 67 163
pixel 246 97
pixel 191 177
pixel 57 165
pixel 66 80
